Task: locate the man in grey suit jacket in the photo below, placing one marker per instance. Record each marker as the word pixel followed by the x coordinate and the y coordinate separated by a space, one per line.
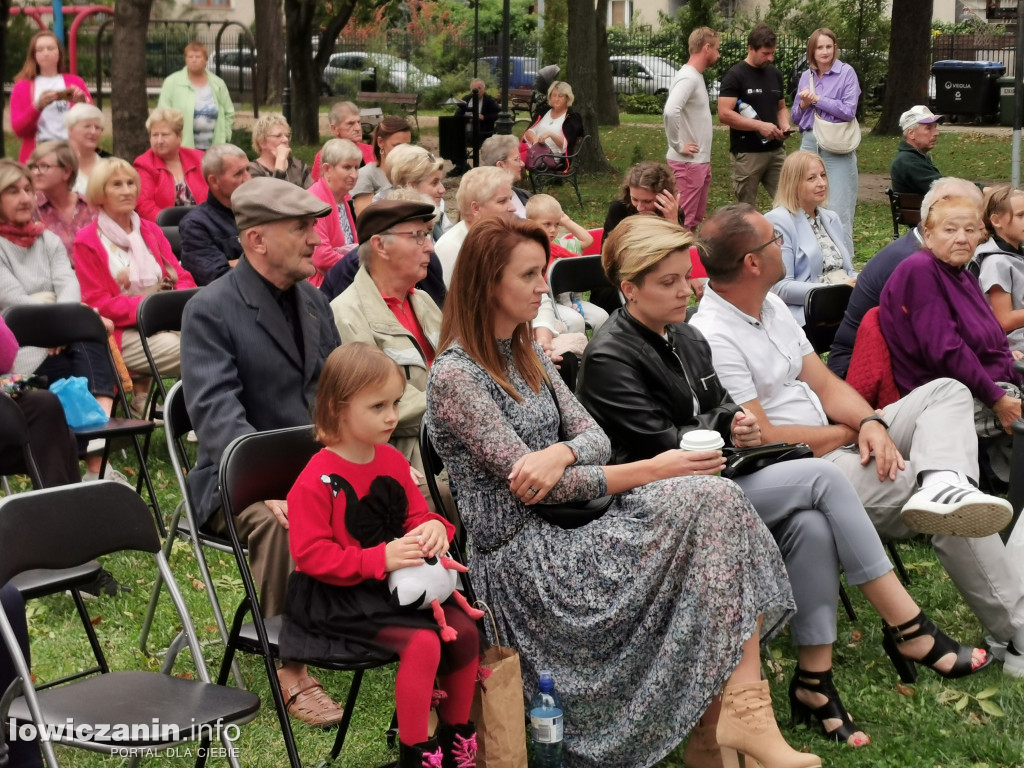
pixel 255 341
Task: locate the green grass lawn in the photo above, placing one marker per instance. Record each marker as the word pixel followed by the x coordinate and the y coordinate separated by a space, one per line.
pixel 977 722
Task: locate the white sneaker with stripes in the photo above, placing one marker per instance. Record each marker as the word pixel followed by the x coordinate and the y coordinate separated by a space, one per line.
pixel 956 509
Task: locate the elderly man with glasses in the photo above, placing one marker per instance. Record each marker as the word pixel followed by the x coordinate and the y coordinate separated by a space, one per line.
pixel 384 307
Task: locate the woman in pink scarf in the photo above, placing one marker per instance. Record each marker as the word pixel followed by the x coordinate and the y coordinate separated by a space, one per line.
pixel 120 259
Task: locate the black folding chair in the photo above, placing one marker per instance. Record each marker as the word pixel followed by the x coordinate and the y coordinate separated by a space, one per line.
pixel 578 274
pixel 177 425
pixel 255 467
pixel 824 308
pixel 42 582
pixel 567 170
pixel 171 217
pixel 57 325
pixel 159 312
pixel 905 208
pixel 65 527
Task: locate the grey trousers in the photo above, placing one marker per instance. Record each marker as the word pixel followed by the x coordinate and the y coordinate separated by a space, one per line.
pixel 820 526
pixel 933 427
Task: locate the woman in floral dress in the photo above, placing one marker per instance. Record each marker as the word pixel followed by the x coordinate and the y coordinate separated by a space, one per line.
pixel 645 615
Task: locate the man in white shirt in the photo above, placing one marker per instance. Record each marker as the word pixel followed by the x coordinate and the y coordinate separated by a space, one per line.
pixel 767 365
pixel 688 129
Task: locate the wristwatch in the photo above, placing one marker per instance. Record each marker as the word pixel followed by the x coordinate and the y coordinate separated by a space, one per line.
pixel 877 418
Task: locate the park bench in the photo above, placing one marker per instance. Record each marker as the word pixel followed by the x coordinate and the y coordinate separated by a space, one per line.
pixel 409 102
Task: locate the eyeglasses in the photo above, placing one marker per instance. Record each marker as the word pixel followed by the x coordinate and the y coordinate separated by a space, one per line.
pixel 777 240
pixel 42 167
pixel 419 236
pixel 285 136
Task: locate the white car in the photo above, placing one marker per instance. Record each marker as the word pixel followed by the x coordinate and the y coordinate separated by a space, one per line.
pixel 401 74
pixel 642 74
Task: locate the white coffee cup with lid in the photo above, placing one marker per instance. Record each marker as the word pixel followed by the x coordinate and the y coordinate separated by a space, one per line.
pixel 702 440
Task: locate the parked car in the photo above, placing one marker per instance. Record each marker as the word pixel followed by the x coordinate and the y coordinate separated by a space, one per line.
pixel 523 70
pixel 376 69
pixel 234 67
pixel 642 74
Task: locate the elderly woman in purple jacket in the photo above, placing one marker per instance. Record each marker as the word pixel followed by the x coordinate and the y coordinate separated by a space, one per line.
pixel 830 90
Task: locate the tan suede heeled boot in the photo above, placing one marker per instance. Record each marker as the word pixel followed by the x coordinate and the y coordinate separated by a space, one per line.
pixel 747 727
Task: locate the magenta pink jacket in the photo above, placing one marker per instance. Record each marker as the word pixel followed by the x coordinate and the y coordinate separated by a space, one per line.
pixel 25 116
pixel 99 288
pixel 156 184
pixel 332 237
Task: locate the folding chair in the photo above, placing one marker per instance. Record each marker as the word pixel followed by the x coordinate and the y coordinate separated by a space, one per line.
pixel 579 273
pixel 56 325
pixel 156 313
pixel 539 178
pixel 64 527
pixel 173 235
pixel 171 217
pixel 433 465
pixel 905 208
pixel 255 467
pixel 177 425
pixel 42 582
pixel 824 308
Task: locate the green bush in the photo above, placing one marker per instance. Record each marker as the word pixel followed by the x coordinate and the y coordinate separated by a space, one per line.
pixel 642 103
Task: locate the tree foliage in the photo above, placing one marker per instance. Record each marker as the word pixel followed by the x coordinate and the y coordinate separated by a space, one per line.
pixel 553 40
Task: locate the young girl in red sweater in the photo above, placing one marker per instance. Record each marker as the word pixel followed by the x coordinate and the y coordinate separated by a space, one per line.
pixel 338 594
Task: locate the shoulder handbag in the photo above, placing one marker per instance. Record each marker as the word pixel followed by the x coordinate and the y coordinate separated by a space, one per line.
pixel 571 514
pixel 743 461
pixel 837 138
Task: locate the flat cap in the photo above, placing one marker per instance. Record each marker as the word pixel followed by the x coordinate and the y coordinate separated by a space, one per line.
pixel 384 214
pixel 266 199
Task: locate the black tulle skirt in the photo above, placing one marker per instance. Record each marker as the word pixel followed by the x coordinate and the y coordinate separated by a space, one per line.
pixel 324 621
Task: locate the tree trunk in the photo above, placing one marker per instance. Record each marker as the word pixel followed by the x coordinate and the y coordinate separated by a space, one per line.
pixel 128 90
pixel 5 15
pixel 586 87
pixel 607 101
pixel 909 63
pixel 306 70
pixel 269 42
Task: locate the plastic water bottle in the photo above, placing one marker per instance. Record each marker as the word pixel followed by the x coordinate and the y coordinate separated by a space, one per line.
pixel 748 111
pixel 546 724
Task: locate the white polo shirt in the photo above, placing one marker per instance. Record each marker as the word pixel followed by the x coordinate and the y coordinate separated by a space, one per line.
pixel 761 358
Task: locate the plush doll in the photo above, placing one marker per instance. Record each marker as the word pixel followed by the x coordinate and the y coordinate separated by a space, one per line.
pixel 380 517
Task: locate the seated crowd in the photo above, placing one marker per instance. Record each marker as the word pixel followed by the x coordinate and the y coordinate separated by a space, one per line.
pixel 344 290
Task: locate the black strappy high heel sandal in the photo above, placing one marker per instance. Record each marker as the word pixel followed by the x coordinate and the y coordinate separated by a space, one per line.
pixel 922 626
pixel 832 709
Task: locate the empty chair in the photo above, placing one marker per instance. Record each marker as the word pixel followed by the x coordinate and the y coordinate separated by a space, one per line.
pixel 67 526
pixel 824 308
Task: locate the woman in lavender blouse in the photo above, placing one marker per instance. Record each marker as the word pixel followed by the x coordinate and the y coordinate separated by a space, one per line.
pixel 835 97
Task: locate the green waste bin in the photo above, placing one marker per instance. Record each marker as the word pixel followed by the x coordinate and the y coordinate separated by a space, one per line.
pixel 1006 100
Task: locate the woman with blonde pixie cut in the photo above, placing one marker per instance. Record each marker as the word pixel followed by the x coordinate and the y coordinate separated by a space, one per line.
pixel 408 165
pixel 647 379
pixel 121 258
pixel 1001 260
pixel 170 174
pixel 816 247
pixel 271 138
pixel 85 128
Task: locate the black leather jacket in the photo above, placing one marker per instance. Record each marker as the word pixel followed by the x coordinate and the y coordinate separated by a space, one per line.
pixel 640 388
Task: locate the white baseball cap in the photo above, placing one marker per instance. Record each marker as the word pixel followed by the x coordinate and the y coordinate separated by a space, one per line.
pixel 918 115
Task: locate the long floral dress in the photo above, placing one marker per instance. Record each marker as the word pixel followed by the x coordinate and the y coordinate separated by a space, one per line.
pixel 639 615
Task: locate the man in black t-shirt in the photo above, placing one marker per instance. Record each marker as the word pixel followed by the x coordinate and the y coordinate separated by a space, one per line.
pixel 752 104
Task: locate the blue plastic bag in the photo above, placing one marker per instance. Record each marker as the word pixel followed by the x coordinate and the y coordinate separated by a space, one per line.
pixel 81 409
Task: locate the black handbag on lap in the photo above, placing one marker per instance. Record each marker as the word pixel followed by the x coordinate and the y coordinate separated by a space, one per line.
pixel 743 461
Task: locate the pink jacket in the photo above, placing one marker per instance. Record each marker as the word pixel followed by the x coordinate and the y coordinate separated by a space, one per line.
pixel 25 116
pixel 332 237
pixel 99 288
pixel 156 184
